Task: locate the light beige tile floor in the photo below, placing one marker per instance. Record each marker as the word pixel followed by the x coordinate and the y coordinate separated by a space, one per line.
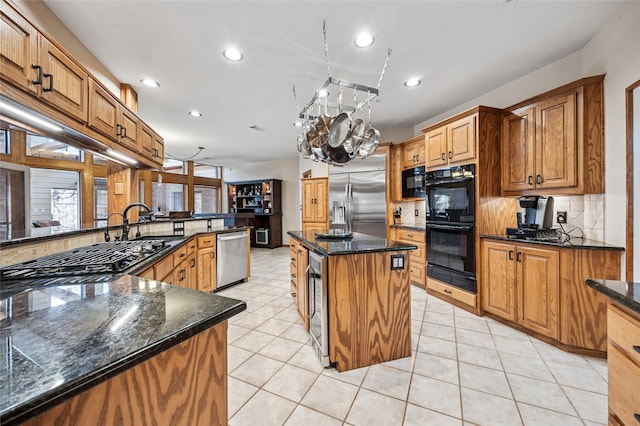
pixel 464 370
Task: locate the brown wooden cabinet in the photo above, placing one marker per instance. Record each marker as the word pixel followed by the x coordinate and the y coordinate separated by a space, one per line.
pixel 413 152
pixel 418 257
pixel 206 261
pixel 109 117
pixel 395 174
pixel 315 204
pixel 624 364
pixel 522 284
pixel 33 64
pixel 553 143
pixel 299 260
pixel 452 143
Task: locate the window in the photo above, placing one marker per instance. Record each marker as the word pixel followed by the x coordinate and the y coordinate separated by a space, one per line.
pixel 100 211
pixel 167 197
pixel 64 208
pixel 4 149
pixel 173 166
pixel 206 200
pixel 41 146
pixel 55 197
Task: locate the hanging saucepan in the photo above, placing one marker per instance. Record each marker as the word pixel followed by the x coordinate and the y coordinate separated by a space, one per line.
pixel 323 124
pixel 354 137
pixel 303 145
pixel 339 129
pixel 370 142
pixel 338 154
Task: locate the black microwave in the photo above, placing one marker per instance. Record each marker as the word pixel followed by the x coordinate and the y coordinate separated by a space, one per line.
pixel 413 182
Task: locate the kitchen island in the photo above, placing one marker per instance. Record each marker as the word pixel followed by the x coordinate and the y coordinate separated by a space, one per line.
pixel 368 297
pixel 113 349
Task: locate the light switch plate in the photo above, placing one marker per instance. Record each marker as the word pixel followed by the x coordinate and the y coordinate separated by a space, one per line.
pixel 397 261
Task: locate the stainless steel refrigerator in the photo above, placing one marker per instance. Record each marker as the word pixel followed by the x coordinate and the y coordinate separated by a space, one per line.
pixel 357 197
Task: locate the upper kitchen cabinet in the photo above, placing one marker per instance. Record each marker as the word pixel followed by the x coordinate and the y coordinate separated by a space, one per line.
pixel 453 143
pixel 150 145
pixel 33 64
pixel 554 143
pixel 413 152
pixel 109 117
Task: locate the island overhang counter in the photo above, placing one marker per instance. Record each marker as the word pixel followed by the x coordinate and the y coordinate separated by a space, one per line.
pixel 368 297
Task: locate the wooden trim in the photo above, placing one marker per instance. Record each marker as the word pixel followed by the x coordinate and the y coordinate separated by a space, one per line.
pixel 558 90
pixel 471 111
pixel 189 200
pixel 630 175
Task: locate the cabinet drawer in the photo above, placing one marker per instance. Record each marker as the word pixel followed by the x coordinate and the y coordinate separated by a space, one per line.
pixel 418 255
pixel 192 244
pixel 417 271
pixel 451 291
pixel 207 241
pixel 624 331
pixel 411 235
pixel 179 255
pixel 624 387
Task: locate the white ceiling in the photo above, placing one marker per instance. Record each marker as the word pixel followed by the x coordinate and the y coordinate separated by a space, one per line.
pixel 459 50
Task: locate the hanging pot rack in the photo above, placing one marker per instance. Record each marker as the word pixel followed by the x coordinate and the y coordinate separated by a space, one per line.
pixel 317 101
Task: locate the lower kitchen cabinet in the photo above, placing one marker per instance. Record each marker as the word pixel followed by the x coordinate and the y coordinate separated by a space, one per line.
pixel 298 266
pixel 207 269
pixel 418 257
pixel 521 284
pixel 623 352
pixel 541 289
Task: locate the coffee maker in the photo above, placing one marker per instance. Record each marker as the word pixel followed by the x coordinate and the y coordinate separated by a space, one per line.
pixel 538 216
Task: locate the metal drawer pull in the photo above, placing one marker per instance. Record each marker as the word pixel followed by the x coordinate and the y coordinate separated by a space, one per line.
pixel 519 257
pixel 637 417
pixel 447 291
pixel 50 88
pixel 443 156
pixel 530 180
pixel 636 348
pixel 538 179
pixel 39 68
pixel 510 254
pixel 450 155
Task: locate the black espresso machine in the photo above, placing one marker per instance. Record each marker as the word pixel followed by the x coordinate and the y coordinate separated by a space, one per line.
pixel 538 217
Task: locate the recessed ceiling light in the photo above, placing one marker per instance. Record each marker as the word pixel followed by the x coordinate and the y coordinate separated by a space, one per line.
pixel 412 82
pixel 232 54
pixel 195 114
pixel 149 82
pixel 298 124
pixel 323 93
pixel 364 40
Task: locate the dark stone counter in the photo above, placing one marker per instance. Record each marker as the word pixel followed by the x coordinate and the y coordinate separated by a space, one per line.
pixel 624 292
pixel 65 335
pixel 412 227
pixel 359 243
pixel 574 242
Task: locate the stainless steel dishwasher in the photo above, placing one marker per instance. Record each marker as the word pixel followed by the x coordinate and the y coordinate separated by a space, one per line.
pixel 232 252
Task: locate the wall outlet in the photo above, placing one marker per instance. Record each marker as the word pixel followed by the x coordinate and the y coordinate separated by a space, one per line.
pixel 561 217
pixel 416 212
pixel 397 261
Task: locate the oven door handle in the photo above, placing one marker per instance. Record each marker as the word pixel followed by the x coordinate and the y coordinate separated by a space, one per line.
pixel 450 227
pixel 448 181
pixel 311 313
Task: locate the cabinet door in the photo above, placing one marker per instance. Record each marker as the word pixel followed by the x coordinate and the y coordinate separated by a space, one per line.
pixel 498 279
pixel 461 140
pixel 408 155
pixel 518 152
pixel 158 150
pixel 302 295
pixel 65 85
pixel 321 205
pixel 103 111
pixel 18 50
pixel 420 151
pixel 538 273
pixel 145 141
pixel 556 143
pixel 129 130
pixel 314 226
pixel 308 201
pixel 436 145
pixel 207 269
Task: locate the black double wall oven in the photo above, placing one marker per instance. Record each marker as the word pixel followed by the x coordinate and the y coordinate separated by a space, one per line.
pixel 450 225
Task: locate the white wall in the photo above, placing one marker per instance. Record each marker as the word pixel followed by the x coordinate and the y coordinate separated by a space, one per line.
pixel 287 171
pixel 615 51
pixel 398 135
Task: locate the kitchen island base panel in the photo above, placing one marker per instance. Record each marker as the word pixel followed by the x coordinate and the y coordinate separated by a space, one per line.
pixel 184 385
pixel 369 310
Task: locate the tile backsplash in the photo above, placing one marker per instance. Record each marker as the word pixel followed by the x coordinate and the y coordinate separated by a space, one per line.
pixel 585 212
pixel 409 209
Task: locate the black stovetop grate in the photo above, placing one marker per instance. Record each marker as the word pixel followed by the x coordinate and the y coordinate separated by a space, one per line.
pixel 97 258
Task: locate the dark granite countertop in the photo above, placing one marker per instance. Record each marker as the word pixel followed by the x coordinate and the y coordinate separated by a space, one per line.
pixel 574 242
pixel 414 227
pixel 624 292
pixel 359 243
pixel 63 338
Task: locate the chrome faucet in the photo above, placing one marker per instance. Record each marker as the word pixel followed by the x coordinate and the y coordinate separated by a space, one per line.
pixel 107 237
pixel 125 221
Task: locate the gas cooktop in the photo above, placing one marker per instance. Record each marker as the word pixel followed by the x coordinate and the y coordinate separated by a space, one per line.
pixel 100 258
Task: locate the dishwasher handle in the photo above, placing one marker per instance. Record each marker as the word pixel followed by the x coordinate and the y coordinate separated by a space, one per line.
pixel 231 237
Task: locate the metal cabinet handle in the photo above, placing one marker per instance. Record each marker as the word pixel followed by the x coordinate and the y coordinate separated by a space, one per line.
pixel 637 417
pixel 124 132
pixel 510 254
pixel 538 179
pixel 193 263
pixel 450 155
pixel 443 156
pixel 50 88
pixel 293 275
pixel 213 255
pixel 636 348
pixel 447 291
pixel 530 180
pixel 183 254
pixel 39 68
pixel 118 130
pixel 519 257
